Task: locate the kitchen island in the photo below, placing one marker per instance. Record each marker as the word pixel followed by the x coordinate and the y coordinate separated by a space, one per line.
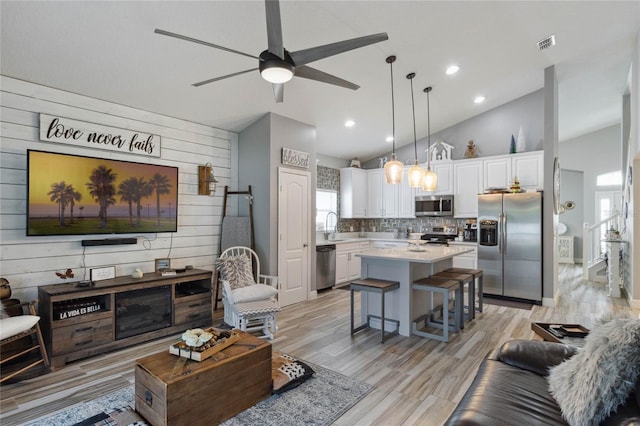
pixel 404 265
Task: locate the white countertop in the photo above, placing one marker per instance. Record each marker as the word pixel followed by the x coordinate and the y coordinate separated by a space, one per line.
pixel 349 239
pixel 429 254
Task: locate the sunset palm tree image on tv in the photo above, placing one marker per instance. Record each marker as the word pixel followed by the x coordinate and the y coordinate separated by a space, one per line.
pixel 77 195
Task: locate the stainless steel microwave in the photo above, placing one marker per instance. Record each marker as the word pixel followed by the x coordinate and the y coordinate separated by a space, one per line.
pixel 434 205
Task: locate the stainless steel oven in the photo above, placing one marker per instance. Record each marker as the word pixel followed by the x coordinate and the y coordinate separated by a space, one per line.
pixel 434 205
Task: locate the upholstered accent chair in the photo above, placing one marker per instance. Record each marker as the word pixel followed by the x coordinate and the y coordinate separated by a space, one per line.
pixel 250 299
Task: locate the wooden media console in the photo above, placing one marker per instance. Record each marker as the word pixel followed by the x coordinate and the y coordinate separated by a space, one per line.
pixel 79 322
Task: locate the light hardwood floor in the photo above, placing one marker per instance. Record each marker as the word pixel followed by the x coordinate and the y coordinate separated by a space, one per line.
pixel 417 381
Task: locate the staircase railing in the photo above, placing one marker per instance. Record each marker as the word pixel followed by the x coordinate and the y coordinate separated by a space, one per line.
pixel 592 247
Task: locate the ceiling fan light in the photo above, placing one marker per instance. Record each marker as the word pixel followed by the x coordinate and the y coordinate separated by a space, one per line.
pixel 416 176
pixel 276 74
pixel 430 182
pixel 393 170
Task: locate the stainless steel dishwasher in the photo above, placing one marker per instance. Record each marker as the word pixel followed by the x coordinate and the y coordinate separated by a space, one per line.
pixel 325 266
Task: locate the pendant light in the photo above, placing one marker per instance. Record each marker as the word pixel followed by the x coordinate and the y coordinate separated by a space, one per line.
pixel 430 182
pixel 416 173
pixel 393 168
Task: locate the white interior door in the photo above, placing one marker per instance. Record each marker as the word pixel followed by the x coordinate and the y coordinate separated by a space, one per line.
pixel 294 234
pixel 608 203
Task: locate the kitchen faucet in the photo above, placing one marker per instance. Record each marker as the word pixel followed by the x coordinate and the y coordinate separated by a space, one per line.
pixel 326 226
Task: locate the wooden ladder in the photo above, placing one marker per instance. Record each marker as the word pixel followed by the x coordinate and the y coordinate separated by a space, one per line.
pixel 227 193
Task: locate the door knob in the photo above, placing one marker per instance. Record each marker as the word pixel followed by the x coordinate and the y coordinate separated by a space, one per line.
pixel 305 245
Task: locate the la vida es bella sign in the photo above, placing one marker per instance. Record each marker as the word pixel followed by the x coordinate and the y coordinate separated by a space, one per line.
pixel 91 135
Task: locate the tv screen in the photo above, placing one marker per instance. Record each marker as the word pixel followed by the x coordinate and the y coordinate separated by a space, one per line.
pixel 76 195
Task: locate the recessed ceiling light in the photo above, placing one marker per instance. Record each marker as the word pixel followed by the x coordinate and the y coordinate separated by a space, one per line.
pixel 349 123
pixel 452 69
pixel 389 139
pixel 478 99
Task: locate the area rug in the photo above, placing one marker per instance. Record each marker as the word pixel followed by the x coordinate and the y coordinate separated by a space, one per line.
pixel 320 400
pixel 507 303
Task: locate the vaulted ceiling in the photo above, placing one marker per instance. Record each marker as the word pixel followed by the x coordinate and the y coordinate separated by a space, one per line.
pixel 108 50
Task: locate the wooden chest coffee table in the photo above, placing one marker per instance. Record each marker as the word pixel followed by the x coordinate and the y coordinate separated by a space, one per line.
pixel 174 390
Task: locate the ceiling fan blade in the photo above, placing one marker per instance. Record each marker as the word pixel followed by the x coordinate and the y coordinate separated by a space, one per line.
pixel 278 91
pixel 274 28
pixel 317 75
pixel 211 80
pixel 205 43
pixel 302 57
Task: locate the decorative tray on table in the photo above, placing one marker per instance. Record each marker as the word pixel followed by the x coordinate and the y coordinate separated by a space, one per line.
pixel 198 344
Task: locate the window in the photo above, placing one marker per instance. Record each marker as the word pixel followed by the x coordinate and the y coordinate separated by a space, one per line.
pixel 609 179
pixel 326 201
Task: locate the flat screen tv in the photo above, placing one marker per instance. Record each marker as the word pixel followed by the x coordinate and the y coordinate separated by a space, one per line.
pixel 77 195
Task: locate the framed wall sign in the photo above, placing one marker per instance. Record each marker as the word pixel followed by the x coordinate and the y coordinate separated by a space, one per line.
pixel 291 157
pixel 103 273
pixel 162 264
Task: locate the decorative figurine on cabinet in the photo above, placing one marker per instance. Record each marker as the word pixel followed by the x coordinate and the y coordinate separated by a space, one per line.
pixel 471 150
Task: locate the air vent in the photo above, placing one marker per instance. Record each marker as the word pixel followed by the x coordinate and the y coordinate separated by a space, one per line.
pixel 547 42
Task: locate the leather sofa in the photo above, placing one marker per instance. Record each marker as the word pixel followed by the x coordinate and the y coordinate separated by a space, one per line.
pixel 510 388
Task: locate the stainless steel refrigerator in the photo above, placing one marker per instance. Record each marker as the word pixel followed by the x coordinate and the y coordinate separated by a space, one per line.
pixel 510 244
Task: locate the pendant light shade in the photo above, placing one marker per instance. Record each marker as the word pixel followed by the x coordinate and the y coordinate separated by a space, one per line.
pixel 393 168
pixel 430 182
pixel 416 173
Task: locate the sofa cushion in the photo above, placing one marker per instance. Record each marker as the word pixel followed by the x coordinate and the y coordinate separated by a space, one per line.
pixel 601 376
pixel 252 293
pixel 505 395
pixel 534 355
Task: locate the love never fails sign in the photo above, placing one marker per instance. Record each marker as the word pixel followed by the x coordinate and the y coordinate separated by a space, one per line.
pixel 91 135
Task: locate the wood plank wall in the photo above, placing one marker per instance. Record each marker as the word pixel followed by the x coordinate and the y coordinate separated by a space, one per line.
pixel 28 262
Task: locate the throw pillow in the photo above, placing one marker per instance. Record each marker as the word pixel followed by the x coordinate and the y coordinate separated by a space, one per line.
pixel 288 372
pixel 592 384
pixel 254 293
pixel 236 270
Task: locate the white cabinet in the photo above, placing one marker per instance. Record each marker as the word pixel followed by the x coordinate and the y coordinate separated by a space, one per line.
pixel 388 200
pixel 565 249
pixel 444 171
pixel 382 197
pixel 353 193
pixel 347 263
pixel 528 167
pixel 406 201
pixel 466 260
pixel 467 185
pixel 497 172
pixel 375 187
pixel 342 265
pixel 365 194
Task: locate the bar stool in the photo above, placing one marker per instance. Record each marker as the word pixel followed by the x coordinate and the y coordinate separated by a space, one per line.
pixel 477 276
pixel 374 286
pixel 463 280
pixel 445 288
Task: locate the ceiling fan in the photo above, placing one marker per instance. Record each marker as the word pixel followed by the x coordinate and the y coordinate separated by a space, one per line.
pixel 277 65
